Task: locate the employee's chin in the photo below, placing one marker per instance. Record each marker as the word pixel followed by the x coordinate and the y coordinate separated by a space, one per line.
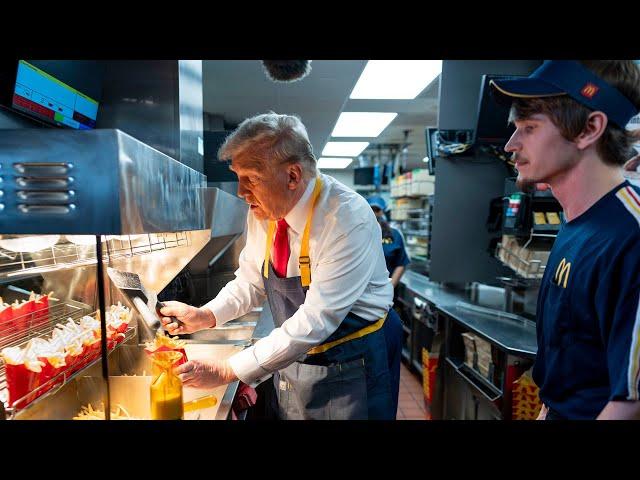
pixel 525 183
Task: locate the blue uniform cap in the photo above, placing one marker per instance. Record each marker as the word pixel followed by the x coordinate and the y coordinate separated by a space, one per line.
pixel 376 201
pixel 568 77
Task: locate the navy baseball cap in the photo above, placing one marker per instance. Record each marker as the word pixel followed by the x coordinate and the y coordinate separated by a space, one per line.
pixel 568 77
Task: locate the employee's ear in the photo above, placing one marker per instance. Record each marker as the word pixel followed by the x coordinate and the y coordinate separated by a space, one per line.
pixel 594 128
pixel 295 175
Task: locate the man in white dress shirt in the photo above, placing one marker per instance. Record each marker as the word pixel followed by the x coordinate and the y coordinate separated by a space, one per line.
pixel 314 251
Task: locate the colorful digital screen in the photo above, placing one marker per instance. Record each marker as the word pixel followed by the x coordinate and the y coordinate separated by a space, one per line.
pixel 42 95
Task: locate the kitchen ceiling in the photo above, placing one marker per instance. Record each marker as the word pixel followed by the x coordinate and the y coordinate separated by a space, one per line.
pixel 237 89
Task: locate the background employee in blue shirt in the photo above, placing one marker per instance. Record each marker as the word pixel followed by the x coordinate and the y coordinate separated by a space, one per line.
pixel 392 242
pixel 570 120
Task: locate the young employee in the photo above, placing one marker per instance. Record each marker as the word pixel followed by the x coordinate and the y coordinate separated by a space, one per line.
pixel 570 119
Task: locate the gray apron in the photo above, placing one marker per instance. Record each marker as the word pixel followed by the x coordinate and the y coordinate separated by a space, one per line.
pixel 349 381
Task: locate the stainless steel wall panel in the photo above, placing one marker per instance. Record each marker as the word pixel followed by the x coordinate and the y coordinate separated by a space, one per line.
pixel 140 97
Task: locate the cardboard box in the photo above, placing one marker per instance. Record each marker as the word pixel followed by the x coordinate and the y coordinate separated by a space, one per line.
pixel 477 354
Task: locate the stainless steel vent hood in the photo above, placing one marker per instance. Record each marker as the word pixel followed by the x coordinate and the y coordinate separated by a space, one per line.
pixel 94 182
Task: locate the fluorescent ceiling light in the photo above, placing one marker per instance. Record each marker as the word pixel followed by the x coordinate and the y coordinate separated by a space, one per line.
pixel 362 124
pixel 395 79
pixel 333 162
pixel 344 149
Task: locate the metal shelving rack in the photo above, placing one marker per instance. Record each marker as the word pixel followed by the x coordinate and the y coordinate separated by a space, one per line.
pixel 55 383
pixel 36 327
pixel 528 269
pixel 67 254
pixel 33 326
pixel 417 231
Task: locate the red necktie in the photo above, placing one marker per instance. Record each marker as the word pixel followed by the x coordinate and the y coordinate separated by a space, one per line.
pixel 281 249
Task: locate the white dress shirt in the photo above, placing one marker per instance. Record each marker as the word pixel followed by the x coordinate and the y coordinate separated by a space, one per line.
pixel 348 274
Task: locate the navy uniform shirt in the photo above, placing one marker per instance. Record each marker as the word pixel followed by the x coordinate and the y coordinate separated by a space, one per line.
pixel 394 252
pixel 588 324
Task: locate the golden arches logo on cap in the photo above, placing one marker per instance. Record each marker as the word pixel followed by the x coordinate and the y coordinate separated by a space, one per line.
pixel 589 90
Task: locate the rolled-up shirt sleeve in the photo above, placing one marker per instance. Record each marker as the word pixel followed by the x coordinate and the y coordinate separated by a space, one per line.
pixel 339 279
pixel 246 291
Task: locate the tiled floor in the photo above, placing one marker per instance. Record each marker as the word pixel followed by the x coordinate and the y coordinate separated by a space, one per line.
pixel 411 401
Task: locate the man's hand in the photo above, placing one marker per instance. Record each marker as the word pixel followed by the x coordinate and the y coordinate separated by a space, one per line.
pixel 543 413
pixel 205 373
pixel 192 318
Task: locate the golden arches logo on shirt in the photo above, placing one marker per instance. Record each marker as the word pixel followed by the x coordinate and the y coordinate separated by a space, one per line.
pixel 562 273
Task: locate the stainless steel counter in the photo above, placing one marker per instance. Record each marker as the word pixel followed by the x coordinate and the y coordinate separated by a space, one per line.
pixel 431 291
pixel 515 336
